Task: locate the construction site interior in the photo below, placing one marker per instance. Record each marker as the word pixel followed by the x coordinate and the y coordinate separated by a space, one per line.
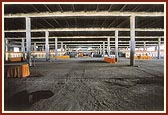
pixel 84 56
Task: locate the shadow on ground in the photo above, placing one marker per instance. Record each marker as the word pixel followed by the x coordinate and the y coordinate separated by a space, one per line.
pixel 36 74
pixel 23 100
pixel 92 61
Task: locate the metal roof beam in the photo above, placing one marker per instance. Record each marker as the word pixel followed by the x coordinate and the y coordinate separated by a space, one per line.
pixel 70 37
pixel 93 42
pixel 83 14
pixel 71 29
pixel 87 29
pixel 106 44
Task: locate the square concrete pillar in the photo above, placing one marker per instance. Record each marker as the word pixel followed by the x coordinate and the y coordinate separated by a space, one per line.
pixel 34 47
pixel 61 46
pixel 6 49
pixel 56 47
pixel 132 40
pixel 108 46
pixel 144 45
pixel 43 47
pixel 159 41
pixel 22 46
pixel 65 46
pixel 100 49
pixel 116 45
pixel 28 40
pixel 6 45
pixel 47 45
pixel 103 48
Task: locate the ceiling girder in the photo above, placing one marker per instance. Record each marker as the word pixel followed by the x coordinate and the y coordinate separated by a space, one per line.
pixel 83 14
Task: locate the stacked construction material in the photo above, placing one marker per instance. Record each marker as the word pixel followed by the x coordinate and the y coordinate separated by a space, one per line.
pixel 63 57
pixel 17 70
pixel 60 57
pixel 142 57
pixel 109 60
pixel 16 59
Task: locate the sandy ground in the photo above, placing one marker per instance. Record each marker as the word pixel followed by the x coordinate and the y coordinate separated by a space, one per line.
pixel 88 85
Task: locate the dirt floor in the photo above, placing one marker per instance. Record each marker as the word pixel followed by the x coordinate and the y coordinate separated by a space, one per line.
pixel 88 85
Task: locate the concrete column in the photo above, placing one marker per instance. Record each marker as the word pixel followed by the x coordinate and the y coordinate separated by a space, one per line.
pixel 100 49
pixel 159 40
pixel 103 48
pixel 68 49
pixel 155 48
pixel 56 47
pixel 65 47
pixel 34 46
pixel 116 45
pixel 47 45
pixel 97 50
pixel 6 49
pixel 23 47
pixel 61 46
pixel 42 47
pixel 28 40
pixel 132 41
pixel 108 46
pixel 144 45
pixel 6 44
